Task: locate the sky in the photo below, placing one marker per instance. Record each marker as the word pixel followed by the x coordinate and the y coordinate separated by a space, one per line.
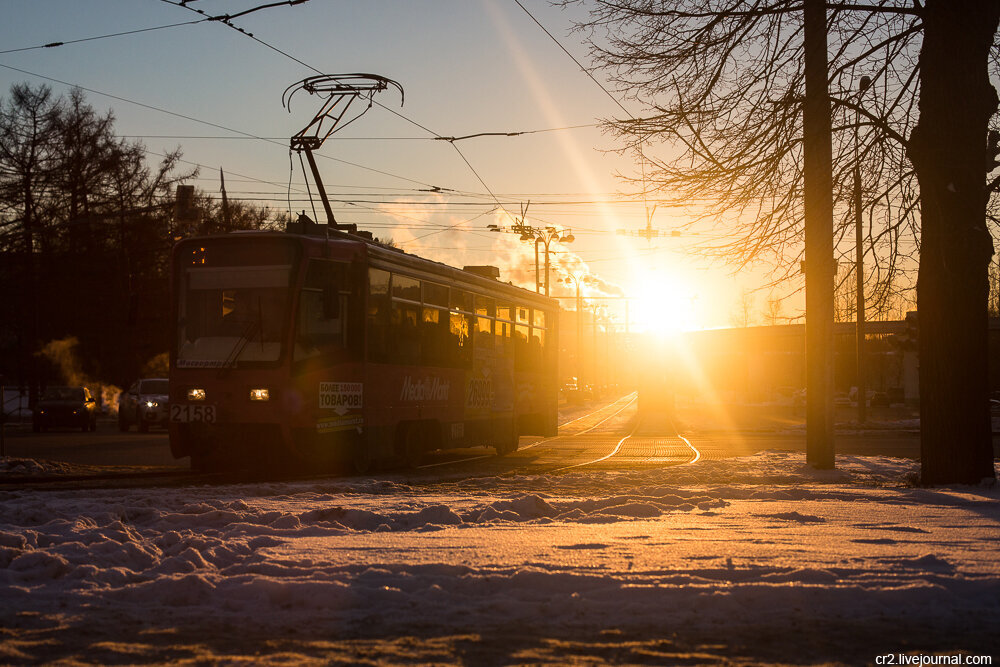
pixel 466 67
pixel 741 561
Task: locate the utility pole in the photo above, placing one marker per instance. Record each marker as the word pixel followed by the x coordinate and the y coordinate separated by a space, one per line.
pixel 579 326
pixel 860 263
pixel 859 269
pixel 818 199
pixel 225 202
pixel 649 233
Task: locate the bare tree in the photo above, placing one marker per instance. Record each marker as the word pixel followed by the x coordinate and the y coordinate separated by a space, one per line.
pixel 26 169
pixel 845 297
pixel 773 310
pixel 83 231
pixel 742 314
pixel 723 84
pixel 236 214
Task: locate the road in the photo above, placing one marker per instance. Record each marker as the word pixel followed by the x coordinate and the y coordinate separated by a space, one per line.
pixel 107 446
pixel 606 435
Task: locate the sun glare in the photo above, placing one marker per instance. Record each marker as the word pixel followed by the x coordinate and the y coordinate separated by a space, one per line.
pixel 663 307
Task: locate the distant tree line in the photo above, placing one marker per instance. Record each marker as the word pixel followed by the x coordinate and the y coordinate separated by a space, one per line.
pixel 86 228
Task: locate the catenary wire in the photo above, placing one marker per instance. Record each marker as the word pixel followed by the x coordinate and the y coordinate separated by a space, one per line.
pixel 393 111
pixel 67 42
pixel 249 135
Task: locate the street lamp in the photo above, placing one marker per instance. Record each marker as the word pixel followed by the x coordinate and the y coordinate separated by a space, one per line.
pixel 545 236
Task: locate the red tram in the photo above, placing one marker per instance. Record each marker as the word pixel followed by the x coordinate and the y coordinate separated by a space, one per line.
pixel 321 349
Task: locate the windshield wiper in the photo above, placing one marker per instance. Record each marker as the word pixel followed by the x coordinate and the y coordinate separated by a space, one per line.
pixel 251 328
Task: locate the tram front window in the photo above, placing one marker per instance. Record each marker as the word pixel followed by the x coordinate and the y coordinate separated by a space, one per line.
pixel 321 323
pixel 231 315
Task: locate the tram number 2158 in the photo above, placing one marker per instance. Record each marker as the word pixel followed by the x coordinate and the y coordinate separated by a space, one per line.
pixel 192 413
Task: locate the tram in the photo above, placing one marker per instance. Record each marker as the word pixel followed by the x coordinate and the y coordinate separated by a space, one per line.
pixel 332 348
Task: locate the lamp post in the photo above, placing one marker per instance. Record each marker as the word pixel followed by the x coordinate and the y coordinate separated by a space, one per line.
pixel 859 255
pixel 599 315
pixel 579 324
pixel 543 235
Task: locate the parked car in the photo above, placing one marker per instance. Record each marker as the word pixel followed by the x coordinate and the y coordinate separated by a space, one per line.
pixel 570 391
pixel 143 404
pixel 65 406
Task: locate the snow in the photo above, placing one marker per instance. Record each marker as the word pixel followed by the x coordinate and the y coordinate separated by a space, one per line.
pixel 747 560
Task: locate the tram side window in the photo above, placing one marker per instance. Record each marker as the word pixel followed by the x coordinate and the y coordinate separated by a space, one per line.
pixel 405 334
pixel 522 332
pixel 505 331
pixel 404 321
pixel 377 315
pixel 434 336
pixel 434 294
pixel 322 317
pixel 536 351
pixel 460 344
pixel 461 325
pixel 405 287
pixel 485 312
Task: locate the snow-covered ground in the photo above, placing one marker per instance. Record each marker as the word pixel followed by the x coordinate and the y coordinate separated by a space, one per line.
pixel 746 561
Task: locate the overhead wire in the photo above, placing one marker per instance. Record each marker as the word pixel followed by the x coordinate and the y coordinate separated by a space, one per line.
pixel 451 227
pixel 225 19
pixel 516 133
pixel 393 111
pixel 66 42
pixel 248 135
pixel 642 158
pixel 278 141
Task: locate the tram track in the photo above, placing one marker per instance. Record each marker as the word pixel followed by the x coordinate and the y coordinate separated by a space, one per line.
pixel 602 415
pixel 645 445
pixel 650 443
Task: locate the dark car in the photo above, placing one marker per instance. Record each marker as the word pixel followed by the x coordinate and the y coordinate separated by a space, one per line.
pixel 880 399
pixel 65 406
pixel 143 404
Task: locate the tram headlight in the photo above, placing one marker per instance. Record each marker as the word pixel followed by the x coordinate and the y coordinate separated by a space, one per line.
pixel 196 394
pixel 260 395
pixel 151 404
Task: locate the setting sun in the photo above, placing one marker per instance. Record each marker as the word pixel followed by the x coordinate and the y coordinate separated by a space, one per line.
pixel 663 304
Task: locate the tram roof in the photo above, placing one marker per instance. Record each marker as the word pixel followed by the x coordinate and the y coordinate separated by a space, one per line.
pixel 388 257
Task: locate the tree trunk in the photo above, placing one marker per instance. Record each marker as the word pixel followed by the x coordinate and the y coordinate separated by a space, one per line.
pixel 818 201
pixel 948 150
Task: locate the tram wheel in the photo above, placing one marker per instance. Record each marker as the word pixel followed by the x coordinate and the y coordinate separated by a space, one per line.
pixel 508 445
pixel 413 445
pixel 361 457
pixel 207 462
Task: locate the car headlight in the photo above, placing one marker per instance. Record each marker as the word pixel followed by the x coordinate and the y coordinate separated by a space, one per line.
pixel 196 394
pixel 260 395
